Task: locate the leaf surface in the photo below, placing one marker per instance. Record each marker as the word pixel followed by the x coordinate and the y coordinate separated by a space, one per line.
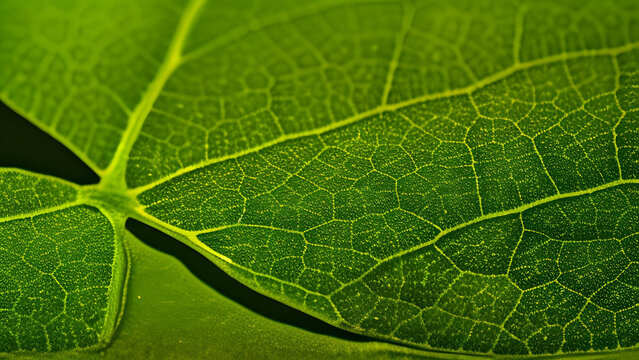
pixel 62 269
pixel 462 176
pixel 171 313
pixel 78 69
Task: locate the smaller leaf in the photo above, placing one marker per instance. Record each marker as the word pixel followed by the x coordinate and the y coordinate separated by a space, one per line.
pixel 61 269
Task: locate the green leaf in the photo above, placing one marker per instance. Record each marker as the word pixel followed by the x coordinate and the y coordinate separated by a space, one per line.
pixel 77 69
pixel 460 176
pixel 172 314
pixel 62 267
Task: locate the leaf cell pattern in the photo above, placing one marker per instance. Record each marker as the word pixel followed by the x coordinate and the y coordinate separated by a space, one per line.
pixel 450 223
pixel 60 267
pixel 324 66
pixel 460 175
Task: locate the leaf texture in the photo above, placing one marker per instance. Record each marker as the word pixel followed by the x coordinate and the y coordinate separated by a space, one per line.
pixel 462 176
pixel 62 267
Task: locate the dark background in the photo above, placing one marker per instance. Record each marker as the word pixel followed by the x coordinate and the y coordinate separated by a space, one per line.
pixel 25 146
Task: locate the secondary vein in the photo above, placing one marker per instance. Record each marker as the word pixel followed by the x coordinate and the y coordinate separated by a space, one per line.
pixel 394 107
pixel 407 23
pixel 517 210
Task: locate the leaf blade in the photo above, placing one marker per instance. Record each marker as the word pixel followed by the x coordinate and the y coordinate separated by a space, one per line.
pixel 63 269
pixel 282 161
pixel 321 196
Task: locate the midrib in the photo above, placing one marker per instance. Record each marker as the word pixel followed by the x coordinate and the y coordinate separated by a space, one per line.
pixel 114 179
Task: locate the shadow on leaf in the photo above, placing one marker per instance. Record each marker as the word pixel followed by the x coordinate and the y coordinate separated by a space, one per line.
pixel 217 279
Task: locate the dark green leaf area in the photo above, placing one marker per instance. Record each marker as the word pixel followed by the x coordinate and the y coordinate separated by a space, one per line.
pixel 57 280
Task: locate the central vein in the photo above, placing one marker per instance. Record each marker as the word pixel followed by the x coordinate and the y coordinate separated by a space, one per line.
pixel 114 177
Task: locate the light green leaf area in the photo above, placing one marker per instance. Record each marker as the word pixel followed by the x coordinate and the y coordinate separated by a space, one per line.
pixel 61 267
pixel 456 175
pixel 78 68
